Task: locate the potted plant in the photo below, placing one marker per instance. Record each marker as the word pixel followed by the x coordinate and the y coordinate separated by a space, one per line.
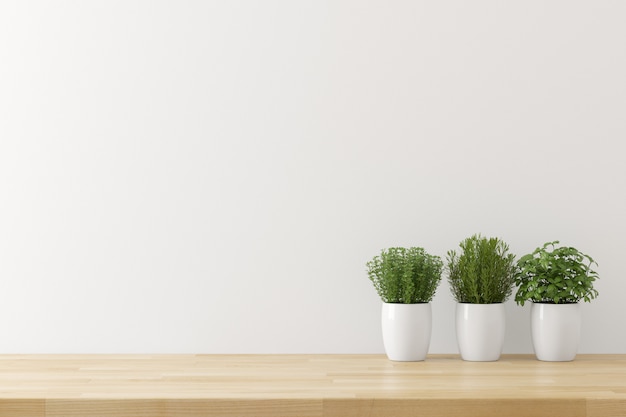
pixel 406 280
pixel 555 279
pixel 481 279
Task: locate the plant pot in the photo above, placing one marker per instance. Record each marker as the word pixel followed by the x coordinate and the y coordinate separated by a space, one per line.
pixel 480 331
pixel 555 331
pixel 406 331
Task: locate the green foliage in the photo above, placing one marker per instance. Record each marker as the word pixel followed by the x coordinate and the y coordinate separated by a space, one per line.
pixel 407 276
pixel 561 275
pixel 483 273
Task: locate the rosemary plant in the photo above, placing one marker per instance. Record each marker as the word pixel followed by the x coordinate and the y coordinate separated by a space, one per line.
pixel 484 271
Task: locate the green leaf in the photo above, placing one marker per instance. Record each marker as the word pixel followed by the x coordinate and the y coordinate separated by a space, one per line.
pixel 557 274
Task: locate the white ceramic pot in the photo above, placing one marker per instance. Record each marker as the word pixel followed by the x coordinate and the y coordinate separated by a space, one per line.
pixel 555 331
pixel 406 330
pixel 480 331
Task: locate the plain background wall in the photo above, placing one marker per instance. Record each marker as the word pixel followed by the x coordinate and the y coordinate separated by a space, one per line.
pixel 212 176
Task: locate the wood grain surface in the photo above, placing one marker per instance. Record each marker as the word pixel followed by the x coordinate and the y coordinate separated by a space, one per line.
pixel 308 385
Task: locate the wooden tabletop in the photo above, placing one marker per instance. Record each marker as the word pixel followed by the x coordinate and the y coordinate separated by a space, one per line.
pixel 308 385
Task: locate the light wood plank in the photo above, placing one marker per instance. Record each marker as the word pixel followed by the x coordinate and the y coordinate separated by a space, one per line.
pixel 183 408
pixel 22 407
pixel 479 407
pixel 308 385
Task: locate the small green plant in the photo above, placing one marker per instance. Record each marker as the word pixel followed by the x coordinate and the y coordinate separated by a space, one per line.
pixel 483 273
pixel 405 275
pixel 556 275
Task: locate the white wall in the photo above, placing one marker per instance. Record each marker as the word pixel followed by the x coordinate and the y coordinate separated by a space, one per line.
pixel 212 176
